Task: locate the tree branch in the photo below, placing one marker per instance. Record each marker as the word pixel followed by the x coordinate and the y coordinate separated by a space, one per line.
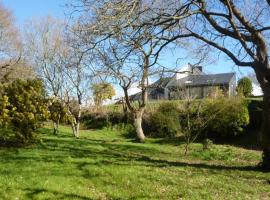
pixel 224 50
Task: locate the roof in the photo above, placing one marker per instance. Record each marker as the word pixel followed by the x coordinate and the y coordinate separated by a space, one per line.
pixel 161 83
pixel 205 79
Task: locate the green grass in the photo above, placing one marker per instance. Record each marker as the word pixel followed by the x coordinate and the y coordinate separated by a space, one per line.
pixel 105 165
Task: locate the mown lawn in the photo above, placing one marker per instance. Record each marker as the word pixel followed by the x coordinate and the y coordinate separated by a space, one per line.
pixel 105 165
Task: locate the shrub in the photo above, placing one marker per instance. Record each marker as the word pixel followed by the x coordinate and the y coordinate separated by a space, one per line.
pixel 225 117
pixel 23 107
pixel 163 122
pixel 244 86
pixel 96 120
pixel 255 108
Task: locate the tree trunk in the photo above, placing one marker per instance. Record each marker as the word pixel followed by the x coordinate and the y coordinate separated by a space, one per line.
pixel 265 130
pixel 78 129
pixel 138 125
pixel 74 129
pixel 55 127
pixel 264 137
pixel 78 121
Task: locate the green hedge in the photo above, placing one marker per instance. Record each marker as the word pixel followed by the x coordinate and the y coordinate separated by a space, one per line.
pixel 224 117
pixel 255 108
pixel 163 122
pixel 99 120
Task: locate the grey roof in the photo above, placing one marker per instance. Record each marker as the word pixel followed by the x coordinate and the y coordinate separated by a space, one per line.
pixel 161 83
pixel 205 79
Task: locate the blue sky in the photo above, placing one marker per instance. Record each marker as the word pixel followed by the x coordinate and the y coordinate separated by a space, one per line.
pixel 27 9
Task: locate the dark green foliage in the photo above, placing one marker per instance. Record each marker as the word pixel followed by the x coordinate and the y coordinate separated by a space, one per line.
pixel 226 117
pixel 116 118
pixel 255 112
pixel 265 164
pixel 163 122
pixel 25 107
pixel 244 86
pixel 222 117
pixel 97 120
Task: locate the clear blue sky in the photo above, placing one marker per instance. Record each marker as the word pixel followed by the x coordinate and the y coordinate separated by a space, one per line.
pixel 27 9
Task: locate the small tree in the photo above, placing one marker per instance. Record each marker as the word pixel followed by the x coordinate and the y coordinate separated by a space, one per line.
pixel 191 120
pixel 244 86
pixel 58 113
pixel 102 91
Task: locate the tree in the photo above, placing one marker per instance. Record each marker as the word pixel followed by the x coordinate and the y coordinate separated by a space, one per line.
pixel 225 25
pixel 102 91
pixel 229 27
pixel 11 48
pixel 20 70
pixel 58 112
pixel 78 76
pixel 245 86
pixel 44 43
pixel 60 64
pixel 126 51
pixel 45 46
pixel 75 86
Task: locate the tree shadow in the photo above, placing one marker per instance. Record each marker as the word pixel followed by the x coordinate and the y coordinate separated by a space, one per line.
pixel 249 140
pixel 171 141
pixel 166 163
pixel 32 193
pixel 102 152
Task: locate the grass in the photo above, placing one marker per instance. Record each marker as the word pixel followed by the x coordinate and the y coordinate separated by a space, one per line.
pixel 103 164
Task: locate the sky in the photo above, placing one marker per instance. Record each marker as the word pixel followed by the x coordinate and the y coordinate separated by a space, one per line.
pixel 27 9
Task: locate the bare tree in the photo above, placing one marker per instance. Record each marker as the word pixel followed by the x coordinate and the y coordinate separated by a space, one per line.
pixel 76 86
pixel 45 43
pixel 230 27
pixel 45 48
pixel 128 50
pixel 10 44
pixel 60 63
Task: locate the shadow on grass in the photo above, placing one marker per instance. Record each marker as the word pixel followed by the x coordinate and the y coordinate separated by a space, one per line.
pixel 102 152
pixel 33 193
pixel 172 141
pixel 166 163
pixel 248 140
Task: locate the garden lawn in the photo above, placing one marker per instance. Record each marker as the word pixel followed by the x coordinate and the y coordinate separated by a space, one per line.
pixel 103 164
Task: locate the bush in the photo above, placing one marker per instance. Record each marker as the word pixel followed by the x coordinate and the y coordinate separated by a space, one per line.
pixel 95 120
pixel 255 108
pixel 23 107
pixel 163 122
pixel 99 120
pixel 244 86
pixel 225 117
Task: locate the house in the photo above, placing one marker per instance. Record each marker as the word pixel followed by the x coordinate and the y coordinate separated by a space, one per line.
pixel 191 81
